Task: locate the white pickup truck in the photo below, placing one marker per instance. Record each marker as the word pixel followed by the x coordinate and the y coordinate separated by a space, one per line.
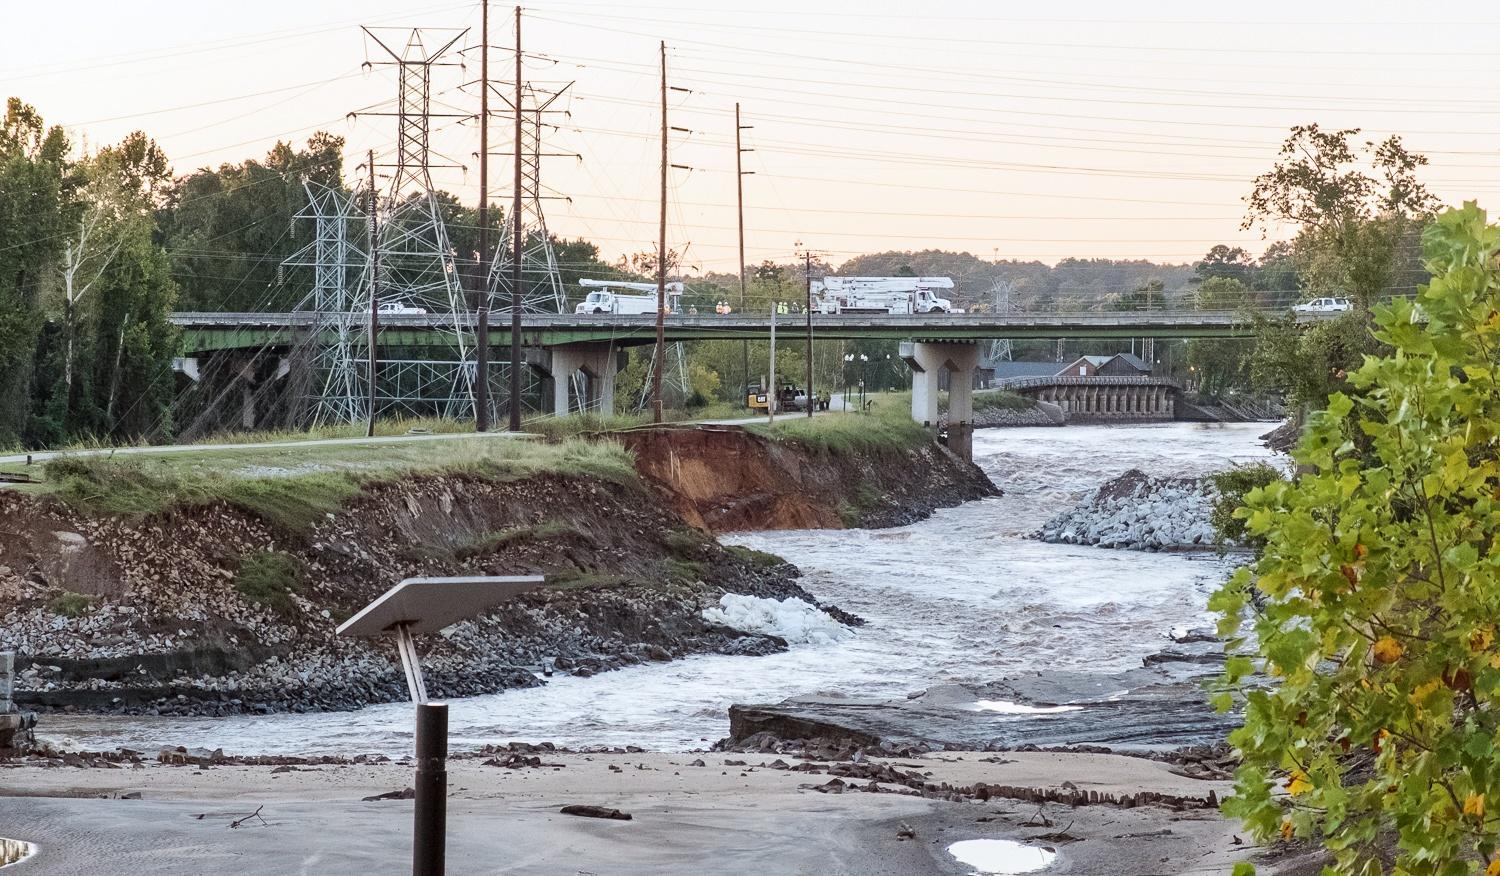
pixel 1323 305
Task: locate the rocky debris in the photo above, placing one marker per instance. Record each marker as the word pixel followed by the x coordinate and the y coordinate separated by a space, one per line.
pixel 586 811
pixel 905 831
pixel 165 630
pixel 1284 437
pixel 886 779
pixel 47 755
pixel 520 761
pixel 181 756
pixel 1139 512
pixel 1156 708
pixel 1036 415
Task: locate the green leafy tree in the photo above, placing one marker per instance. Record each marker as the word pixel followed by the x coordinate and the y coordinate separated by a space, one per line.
pixel 1149 296
pixel 1354 207
pixel 1276 272
pixel 1227 262
pixel 1220 365
pixel 1308 363
pixel 228 230
pixel 34 185
pixel 1378 595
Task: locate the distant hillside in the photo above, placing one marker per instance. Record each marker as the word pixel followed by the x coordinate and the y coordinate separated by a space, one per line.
pixel 1073 283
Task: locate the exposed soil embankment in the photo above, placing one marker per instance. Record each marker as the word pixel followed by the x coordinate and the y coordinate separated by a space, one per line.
pixel 212 608
pixel 726 479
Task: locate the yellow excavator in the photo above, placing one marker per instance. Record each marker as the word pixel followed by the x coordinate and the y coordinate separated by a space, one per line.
pixel 756 398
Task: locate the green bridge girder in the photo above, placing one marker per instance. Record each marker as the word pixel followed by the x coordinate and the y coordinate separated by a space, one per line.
pixel 208 332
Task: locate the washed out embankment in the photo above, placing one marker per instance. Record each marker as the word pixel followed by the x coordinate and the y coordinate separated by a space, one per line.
pixel 726 479
pixel 210 605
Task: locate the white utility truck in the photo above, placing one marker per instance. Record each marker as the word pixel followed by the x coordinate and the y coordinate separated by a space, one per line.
pixel 900 295
pixel 622 298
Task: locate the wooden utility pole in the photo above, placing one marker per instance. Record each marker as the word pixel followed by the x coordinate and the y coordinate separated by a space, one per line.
pixel 515 251
pixel 807 273
pixel 374 226
pixel 771 393
pixel 482 315
pixel 658 355
pixel 739 191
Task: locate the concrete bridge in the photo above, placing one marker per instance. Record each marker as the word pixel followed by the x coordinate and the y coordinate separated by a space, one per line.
pixel 580 352
pixel 204 332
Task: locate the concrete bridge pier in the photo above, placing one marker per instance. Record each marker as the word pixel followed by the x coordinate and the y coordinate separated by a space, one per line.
pixel 598 363
pixel 928 360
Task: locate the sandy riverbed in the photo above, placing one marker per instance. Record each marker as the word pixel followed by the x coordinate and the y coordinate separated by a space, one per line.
pixel 689 820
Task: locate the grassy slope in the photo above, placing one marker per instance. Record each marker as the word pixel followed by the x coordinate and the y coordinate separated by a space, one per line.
pixel 293 487
pixel 887 428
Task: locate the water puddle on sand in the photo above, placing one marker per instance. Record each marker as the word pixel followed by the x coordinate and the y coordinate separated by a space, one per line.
pixel 14 851
pixel 992 857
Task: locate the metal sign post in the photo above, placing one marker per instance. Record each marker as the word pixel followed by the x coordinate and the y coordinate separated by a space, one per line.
pixel 426 605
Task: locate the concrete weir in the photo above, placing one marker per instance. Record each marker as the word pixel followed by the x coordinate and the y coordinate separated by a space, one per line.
pixel 928 361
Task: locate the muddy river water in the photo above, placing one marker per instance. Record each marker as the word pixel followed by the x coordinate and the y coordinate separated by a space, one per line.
pixel 961 597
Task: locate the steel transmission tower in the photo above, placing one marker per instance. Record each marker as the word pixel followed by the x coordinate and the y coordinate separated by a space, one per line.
pixel 339 296
pixel 541 283
pixel 1000 302
pixel 418 264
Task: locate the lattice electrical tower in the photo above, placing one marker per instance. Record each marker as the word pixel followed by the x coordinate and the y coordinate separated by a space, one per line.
pixel 1001 292
pixel 417 263
pixel 541 283
pixel 338 298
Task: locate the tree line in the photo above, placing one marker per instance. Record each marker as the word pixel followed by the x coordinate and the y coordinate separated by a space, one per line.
pixel 98 248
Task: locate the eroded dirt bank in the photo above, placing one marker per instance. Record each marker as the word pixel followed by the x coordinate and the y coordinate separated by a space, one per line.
pixel 211 609
pixel 726 478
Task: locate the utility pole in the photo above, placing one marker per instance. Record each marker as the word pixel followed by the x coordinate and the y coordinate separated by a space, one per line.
pixel 739 190
pixel 515 285
pixel 482 314
pixel 771 394
pixel 374 225
pixel 658 355
pixel 807 274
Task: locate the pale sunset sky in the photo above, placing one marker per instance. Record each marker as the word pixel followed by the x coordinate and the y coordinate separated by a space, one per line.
pixel 1017 130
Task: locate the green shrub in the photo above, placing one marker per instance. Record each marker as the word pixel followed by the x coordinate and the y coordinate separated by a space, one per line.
pixel 755 557
pixel 269 578
pixel 684 542
pixel 1233 485
pixel 70 604
pixel 494 541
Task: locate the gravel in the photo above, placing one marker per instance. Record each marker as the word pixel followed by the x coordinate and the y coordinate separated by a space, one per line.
pixel 1139 512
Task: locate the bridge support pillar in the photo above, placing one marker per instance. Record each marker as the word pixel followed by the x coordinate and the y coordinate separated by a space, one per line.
pixel 929 359
pixel 599 363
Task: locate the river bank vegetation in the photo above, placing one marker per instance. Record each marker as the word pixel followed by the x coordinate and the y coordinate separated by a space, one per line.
pixel 1376 593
